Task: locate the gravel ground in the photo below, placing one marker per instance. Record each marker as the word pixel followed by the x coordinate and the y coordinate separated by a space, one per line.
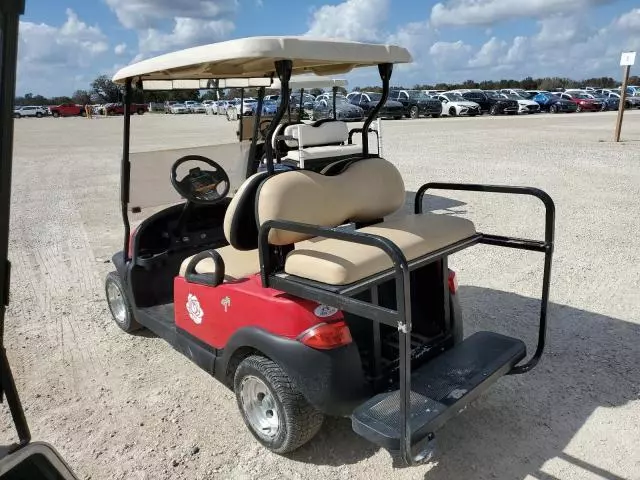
pixel 129 407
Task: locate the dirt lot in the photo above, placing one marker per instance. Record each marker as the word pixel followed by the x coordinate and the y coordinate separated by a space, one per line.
pixel 129 407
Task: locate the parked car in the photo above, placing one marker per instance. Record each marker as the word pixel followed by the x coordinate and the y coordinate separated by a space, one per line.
pixel 493 104
pixel 554 104
pixel 307 101
pixel 583 102
pixel 524 104
pixel 513 91
pixel 345 110
pixel 630 101
pixel 118 109
pixel 608 103
pixel 30 111
pixel 369 100
pixel 67 110
pixel 454 104
pixel 269 107
pixel 178 109
pixel 416 103
pixel 275 98
pixel 196 108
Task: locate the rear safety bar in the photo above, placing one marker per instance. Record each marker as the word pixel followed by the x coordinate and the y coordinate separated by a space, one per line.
pixel 545 246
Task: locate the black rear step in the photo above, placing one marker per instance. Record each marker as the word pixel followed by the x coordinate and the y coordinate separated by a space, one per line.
pixel 439 389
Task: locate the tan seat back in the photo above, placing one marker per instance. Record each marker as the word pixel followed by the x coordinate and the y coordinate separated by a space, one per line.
pixel 367 190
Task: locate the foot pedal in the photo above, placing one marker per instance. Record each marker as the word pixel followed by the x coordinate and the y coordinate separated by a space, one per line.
pixel 439 389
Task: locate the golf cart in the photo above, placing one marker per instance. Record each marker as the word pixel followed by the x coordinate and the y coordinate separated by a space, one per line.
pixel 302 293
pixel 24 459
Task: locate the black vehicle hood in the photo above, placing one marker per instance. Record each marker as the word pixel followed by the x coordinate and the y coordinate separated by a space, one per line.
pixel 347 107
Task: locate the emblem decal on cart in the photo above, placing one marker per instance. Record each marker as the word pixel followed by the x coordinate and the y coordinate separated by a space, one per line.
pixel 324 311
pixel 226 303
pixel 194 309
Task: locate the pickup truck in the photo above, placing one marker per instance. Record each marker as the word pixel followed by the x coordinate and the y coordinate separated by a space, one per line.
pixel 67 110
pixel 118 108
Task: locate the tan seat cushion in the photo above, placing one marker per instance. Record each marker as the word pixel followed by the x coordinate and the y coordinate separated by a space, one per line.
pixel 337 262
pixel 237 263
pixel 329 151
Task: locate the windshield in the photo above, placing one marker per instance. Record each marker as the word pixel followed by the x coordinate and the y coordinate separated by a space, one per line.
pixel 512 96
pixel 455 97
pixel 375 97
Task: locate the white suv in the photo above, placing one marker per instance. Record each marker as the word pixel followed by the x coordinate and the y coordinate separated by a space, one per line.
pixel 38 112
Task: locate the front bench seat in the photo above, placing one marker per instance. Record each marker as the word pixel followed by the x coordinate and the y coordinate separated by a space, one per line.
pixel 365 192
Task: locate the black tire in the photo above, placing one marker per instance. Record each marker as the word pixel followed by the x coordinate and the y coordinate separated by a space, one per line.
pixel 38 115
pixel 579 109
pixel 553 109
pixel 55 114
pixel 17 115
pixel 300 421
pixel 140 111
pixel 453 112
pixel 126 322
pixel 627 105
pixel 493 110
pixel 414 112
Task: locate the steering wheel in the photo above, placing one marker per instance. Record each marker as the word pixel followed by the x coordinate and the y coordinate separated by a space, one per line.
pixel 204 187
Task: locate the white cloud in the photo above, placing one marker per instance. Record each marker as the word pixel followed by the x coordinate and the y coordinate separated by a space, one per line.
pixel 46 52
pixel 450 55
pixel 359 20
pixel 186 32
pixel 630 20
pixel 120 48
pixel 486 12
pixel 145 14
pixel 489 54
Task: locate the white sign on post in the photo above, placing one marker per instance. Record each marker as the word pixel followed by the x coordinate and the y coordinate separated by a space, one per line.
pixel 627 59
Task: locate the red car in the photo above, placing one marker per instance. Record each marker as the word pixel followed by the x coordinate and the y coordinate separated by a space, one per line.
pixel 67 110
pixel 118 108
pixel 583 102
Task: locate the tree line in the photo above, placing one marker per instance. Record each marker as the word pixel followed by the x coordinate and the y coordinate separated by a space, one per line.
pixel 103 90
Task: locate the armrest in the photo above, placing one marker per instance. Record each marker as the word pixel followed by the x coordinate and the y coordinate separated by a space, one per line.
pixel 353 131
pixel 208 279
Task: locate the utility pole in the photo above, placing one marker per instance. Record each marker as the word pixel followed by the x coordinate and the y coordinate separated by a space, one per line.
pixel 627 59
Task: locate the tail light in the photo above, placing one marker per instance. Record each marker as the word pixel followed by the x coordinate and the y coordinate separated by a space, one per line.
pixel 453 282
pixel 326 336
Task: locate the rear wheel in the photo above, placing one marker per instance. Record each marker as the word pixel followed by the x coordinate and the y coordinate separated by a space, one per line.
pixel 277 415
pixel 38 115
pixel 55 114
pixel 140 111
pixel 413 112
pixel 493 110
pixel 553 109
pixel 119 304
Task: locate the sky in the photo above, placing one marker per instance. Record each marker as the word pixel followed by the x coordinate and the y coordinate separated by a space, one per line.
pixel 65 44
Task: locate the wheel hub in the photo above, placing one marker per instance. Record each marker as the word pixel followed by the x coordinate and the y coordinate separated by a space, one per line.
pixel 259 407
pixel 116 303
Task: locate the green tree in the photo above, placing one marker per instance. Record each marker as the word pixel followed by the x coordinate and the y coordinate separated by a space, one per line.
pixel 108 91
pixel 81 97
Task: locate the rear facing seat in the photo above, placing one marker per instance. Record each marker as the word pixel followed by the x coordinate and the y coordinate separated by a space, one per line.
pixel 317 141
pixel 365 192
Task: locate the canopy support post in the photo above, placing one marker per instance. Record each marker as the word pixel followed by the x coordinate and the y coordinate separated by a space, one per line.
pixel 125 169
pixel 283 70
pixel 335 92
pixel 385 69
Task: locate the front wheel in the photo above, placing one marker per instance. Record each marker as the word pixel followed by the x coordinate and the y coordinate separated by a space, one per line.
pixel 579 109
pixel 553 109
pixel 453 112
pixel 119 304
pixel 38 115
pixel 17 115
pixel 413 112
pixel 140 111
pixel 277 414
pixel 493 110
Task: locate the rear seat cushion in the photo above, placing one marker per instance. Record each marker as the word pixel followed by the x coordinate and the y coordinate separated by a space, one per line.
pixel 237 263
pixel 327 151
pixel 336 262
pixel 367 190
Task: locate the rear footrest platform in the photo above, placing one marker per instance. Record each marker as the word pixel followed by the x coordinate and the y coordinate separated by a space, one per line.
pixel 439 389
